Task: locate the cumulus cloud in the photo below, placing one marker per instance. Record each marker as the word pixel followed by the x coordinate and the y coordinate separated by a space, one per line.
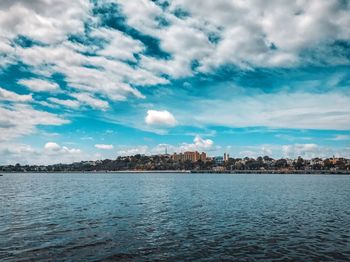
pixel 51 153
pixel 20 120
pixel 148 150
pixel 208 35
pixel 44 21
pixel 16 149
pixel 104 73
pixel 91 101
pixel 160 118
pixel 99 66
pixel 244 33
pixel 100 74
pixel 110 64
pixel 54 148
pixel 39 85
pixel 104 146
pixel 303 150
pixel 6 95
pixel 253 153
pixel 65 102
pixel 120 46
pixel 130 151
pixel 199 144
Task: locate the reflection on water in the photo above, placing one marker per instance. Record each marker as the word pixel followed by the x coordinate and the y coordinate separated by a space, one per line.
pixel 101 217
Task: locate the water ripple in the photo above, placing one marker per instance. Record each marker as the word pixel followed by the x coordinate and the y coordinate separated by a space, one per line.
pixel 176 217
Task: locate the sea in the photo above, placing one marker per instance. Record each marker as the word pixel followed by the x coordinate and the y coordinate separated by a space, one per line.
pixel 174 217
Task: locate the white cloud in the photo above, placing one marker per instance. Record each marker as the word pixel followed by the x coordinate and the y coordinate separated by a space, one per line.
pixel 146 150
pixel 160 118
pixel 104 146
pixel 130 151
pixel 142 15
pixel 104 75
pixel 212 34
pixel 6 95
pixel 5 45
pixel 16 149
pixel 54 148
pixel 246 33
pixel 277 110
pixel 51 153
pixel 91 101
pixel 20 120
pixel 292 151
pixel 203 143
pixel 6 52
pixel 120 46
pixel 199 144
pixel 45 21
pixel 39 85
pixel 65 102
pixel 303 150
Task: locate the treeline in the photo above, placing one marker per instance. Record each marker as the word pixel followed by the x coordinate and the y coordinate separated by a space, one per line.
pixel 165 162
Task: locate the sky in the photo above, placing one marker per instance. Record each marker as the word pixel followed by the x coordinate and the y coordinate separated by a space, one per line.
pixel 89 80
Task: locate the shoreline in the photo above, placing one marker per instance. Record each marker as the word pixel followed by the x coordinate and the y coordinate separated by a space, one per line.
pixel 257 172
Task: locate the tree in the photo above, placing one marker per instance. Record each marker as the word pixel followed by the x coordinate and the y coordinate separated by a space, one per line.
pixel 299 164
pixel 281 163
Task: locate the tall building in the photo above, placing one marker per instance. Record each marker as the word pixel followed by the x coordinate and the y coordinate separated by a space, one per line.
pixel 203 156
pixel 190 156
pixel 226 157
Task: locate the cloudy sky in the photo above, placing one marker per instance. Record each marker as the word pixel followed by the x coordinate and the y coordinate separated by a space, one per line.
pixel 97 79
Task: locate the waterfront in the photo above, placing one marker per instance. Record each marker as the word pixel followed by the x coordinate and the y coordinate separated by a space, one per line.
pixel 104 216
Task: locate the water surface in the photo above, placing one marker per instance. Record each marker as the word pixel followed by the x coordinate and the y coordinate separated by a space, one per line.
pixel 203 217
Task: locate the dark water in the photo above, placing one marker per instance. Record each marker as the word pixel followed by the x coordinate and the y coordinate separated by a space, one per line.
pixel 174 217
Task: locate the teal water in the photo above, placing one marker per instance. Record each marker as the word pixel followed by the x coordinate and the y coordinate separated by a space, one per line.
pixel 176 217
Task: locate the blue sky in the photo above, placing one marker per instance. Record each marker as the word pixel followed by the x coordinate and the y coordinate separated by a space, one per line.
pixel 86 80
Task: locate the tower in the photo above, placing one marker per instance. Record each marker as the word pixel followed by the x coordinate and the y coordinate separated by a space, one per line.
pixel 226 157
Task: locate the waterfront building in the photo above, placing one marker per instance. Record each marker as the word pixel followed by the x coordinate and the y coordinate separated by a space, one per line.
pixel 316 161
pixel 203 157
pixel 218 160
pixel 190 156
pixel 218 168
pixel 334 160
pixel 226 157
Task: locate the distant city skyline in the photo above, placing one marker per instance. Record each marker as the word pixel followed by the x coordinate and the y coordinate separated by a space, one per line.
pixel 89 80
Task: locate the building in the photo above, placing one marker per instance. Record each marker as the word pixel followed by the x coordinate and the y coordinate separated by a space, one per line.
pixel 219 160
pixel 190 156
pixel 334 160
pixel 219 168
pixel 226 157
pixel 203 157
